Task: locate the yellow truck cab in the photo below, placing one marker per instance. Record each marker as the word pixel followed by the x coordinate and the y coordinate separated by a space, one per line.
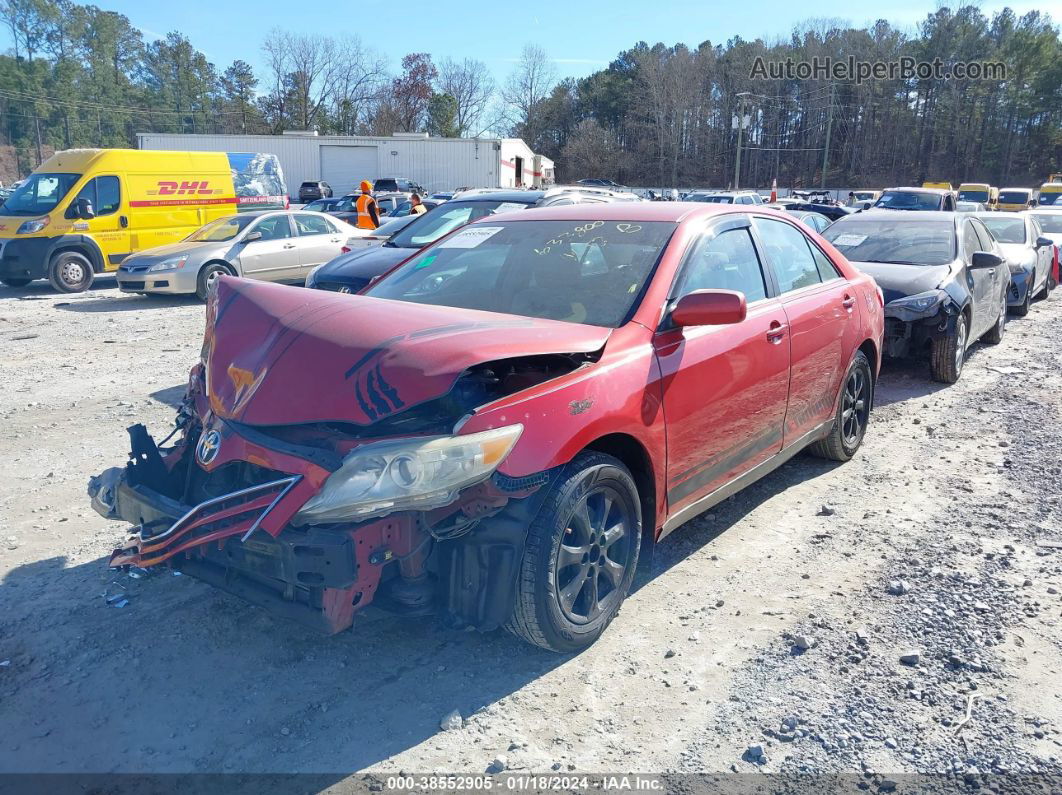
pixel 85 210
pixel 1051 193
pixel 1016 199
pixel 979 192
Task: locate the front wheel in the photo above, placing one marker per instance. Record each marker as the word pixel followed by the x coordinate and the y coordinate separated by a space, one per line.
pixel 948 353
pixel 1022 309
pixel 207 276
pixel 853 413
pixel 581 554
pixel 70 272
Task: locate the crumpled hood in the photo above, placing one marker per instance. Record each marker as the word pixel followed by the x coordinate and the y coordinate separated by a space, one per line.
pixel 899 281
pixel 281 355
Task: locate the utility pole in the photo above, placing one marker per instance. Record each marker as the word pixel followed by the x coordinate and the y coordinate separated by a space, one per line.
pixel 826 151
pixel 37 124
pixel 740 127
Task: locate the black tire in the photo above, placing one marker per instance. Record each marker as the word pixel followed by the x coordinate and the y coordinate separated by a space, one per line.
pixel 1022 309
pixel 208 274
pixel 853 413
pixel 559 605
pixel 994 335
pixel 947 354
pixel 1049 284
pixel 70 272
pixel 10 282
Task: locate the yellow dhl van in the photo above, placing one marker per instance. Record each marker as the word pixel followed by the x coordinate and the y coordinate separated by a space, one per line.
pixel 1016 199
pixel 85 210
pixel 1050 194
pixel 938 185
pixel 979 192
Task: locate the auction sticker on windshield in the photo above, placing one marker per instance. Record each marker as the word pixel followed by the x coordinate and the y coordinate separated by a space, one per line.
pixel 471 237
pixel 848 240
pixel 505 207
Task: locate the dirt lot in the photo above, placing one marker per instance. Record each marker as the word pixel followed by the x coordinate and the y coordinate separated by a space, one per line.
pixel 952 505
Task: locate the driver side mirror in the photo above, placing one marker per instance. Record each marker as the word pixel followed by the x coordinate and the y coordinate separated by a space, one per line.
pixel 253 236
pixel 709 308
pixel 985 259
pixel 1042 242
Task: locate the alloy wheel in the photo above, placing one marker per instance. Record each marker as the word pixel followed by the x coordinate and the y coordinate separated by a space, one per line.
pixel 855 408
pixel 593 555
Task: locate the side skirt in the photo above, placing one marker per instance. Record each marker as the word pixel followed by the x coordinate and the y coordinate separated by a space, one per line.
pixel 709 501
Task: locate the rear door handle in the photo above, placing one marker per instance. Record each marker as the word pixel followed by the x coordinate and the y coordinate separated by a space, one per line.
pixel 776 332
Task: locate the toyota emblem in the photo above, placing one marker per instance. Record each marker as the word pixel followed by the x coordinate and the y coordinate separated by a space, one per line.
pixel 208 447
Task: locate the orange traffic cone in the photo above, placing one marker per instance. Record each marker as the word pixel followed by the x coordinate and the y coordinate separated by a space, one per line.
pixel 774 190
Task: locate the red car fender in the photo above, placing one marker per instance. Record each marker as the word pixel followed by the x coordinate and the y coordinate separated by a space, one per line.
pixel 619 394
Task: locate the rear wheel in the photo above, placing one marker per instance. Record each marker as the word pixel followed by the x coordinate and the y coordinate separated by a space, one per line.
pixel 853 413
pixel 70 272
pixel 580 557
pixel 948 353
pixel 994 335
pixel 10 282
pixel 207 276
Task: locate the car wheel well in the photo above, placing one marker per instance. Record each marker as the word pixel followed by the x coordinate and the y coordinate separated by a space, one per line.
pixel 84 251
pixel 870 350
pixel 635 457
pixel 227 265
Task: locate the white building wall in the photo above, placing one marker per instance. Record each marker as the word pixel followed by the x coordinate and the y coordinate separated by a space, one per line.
pixel 436 163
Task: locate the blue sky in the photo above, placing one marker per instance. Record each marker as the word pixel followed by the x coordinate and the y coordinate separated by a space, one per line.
pixel 580 35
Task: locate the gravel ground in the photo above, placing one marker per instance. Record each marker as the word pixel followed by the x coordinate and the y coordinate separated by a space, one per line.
pixel 897 614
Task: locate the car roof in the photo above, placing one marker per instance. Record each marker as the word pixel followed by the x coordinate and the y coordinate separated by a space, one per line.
pixel 919 216
pixel 937 191
pixel 674 212
pixel 523 196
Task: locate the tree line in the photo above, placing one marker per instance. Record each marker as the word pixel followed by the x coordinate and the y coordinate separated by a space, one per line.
pixel 659 115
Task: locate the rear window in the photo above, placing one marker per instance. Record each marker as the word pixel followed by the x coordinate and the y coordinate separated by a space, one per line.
pixel 712 199
pixel 1006 230
pixel 309 184
pixel 1050 222
pixel 899 241
pixel 385 185
pixel 908 200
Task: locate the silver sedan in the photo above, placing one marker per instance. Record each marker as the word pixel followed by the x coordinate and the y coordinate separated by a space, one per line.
pixel 278 246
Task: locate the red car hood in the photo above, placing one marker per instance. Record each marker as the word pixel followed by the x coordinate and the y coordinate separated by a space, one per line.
pixel 281 355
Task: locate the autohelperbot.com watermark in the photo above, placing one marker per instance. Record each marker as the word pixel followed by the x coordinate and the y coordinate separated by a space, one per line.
pixel 853 70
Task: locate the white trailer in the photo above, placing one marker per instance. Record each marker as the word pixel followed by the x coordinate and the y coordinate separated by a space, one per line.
pixel 343 161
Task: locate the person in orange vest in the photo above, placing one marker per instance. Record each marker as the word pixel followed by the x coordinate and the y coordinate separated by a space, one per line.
pixel 368 217
pixel 416 206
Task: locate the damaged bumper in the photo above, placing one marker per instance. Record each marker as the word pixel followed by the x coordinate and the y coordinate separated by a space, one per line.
pixel 908 332
pixel 243 540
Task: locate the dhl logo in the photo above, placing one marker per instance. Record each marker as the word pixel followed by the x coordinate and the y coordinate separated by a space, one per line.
pixel 194 188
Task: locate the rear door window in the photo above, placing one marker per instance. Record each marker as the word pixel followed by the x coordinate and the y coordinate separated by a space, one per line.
pixel 790 255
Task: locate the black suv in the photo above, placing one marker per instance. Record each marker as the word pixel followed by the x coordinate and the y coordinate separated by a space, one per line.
pixel 396 185
pixel 311 191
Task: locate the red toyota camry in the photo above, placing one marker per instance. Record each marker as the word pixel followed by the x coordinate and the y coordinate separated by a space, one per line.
pixel 491 429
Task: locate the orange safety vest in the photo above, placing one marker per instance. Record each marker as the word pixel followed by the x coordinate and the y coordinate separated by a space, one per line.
pixel 362 206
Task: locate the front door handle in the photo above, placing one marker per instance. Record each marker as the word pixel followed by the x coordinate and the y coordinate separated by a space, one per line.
pixel 776 332
pixel 289 245
pixel 848 303
pixel 123 221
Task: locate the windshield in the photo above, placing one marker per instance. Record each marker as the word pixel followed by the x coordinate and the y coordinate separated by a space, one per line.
pixel 908 200
pixel 39 194
pixel 712 199
pixel 1005 230
pixel 388 228
pixel 447 217
pixel 590 272
pixel 1050 198
pixel 1050 222
pixel 220 230
pixel 972 195
pixel 897 241
pixel 1014 196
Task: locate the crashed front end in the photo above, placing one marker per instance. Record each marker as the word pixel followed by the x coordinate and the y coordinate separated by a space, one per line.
pixel 911 322
pixel 313 476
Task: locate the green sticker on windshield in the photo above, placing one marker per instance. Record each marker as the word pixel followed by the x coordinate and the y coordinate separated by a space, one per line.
pixel 427 261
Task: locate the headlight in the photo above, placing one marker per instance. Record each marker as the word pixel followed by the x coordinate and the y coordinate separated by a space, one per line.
pixel 922 302
pixel 310 277
pixel 171 264
pixel 408 474
pixel 36 225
